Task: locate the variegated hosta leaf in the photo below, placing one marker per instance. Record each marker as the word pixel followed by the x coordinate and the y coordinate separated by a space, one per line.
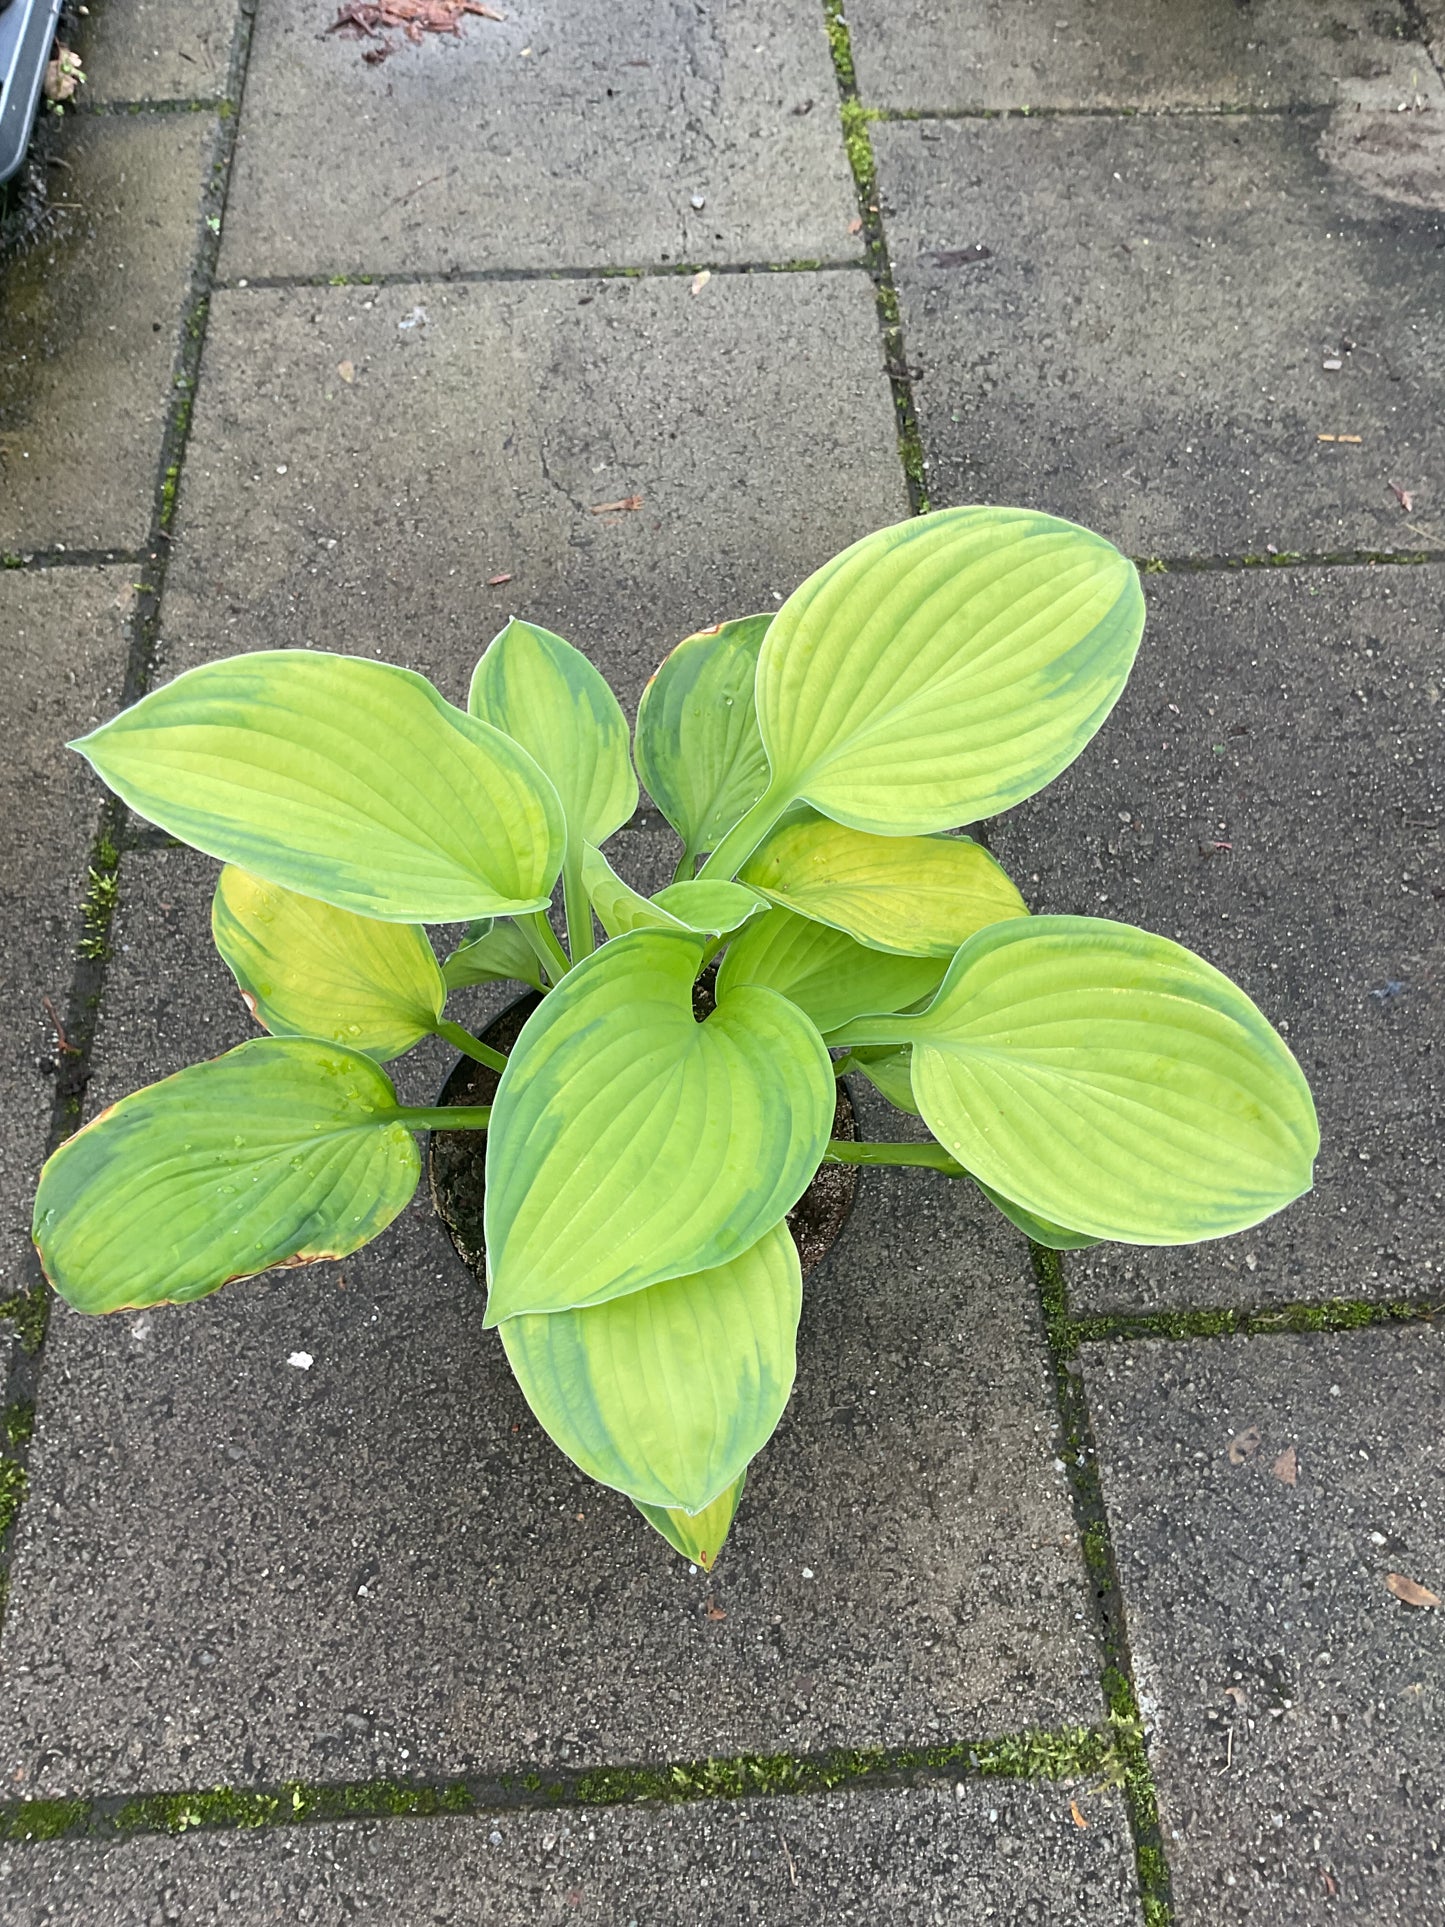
pixel 827 974
pixel 630 1143
pixel 1054 1236
pixel 942 670
pixel 1108 1080
pixel 707 908
pixel 307 969
pixel 549 698
pixel 697 1536
pixel 343 779
pixel 919 895
pixel 698 746
pixel 890 1073
pixel 281 1152
pixel 492 951
pixel 667 1393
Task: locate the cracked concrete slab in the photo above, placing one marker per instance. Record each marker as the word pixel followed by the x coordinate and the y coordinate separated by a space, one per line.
pixel 975 1854
pixel 393 1572
pixel 89 331
pixel 66 640
pixel 564 135
pixel 1145 54
pixel 1261 1492
pixel 403 468
pixel 1270 792
pixel 1171 330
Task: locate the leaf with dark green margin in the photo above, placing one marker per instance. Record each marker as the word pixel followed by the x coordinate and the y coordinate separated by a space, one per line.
pixel 829 975
pixel 492 952
pixel 1108 1080
pixel 630 1143
pixel 307 969
pixel 709 909
pixel 282 1152
pixel 890 1072
pixel 1053 1236
pixel 549 698
pixel 697 1536
pixel 698 747
pixel 344 779
pixel 667 1393
pixel 942 670
pixel 917 895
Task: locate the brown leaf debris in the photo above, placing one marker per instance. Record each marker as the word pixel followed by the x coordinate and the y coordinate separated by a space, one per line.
pixel 1409 1591
pixel 1286 1466
pixel 1244 1445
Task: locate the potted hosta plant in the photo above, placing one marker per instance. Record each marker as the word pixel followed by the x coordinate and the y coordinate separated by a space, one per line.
pixel 1092 1080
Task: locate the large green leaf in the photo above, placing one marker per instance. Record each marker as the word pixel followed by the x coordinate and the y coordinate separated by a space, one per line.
pixel 1108 1080
pixel 890 1072
pixel 698 746
pixel 667 1393
pixel 492 952
pixel 827 974
pixel 944 669
pixel 630 1143
pixel 548 697
pixel 307 969
pixel 697 1536
pixel 348 780
pixel 281 1152
pixel 1054 1236
pixel 918 895
pixel 708 908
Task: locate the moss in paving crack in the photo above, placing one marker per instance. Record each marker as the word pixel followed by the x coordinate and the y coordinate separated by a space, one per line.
pixel 26 1311
pixel 97 911
pixel 840 42
pixel 20 1422
pixel 43 1819
pixel 858 145
pixel 1332 1315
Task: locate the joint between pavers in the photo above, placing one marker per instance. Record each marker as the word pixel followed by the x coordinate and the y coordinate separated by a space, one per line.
pixel 1288 559
pixel 483 277
pixel 71 558
pixel 1218 110
pixel 1034 1756
pixel 201 104
pixel 1259 1321
pixel 858 148
pixel 1121 1699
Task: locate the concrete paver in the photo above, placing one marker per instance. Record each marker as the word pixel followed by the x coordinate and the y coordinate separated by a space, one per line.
pixel 752 419
pixel 65 652
pixel 391 1570
pixel 89 329
pixel 983 1854
pixel 157 50
pixel 915 54
pixel 1295 1702
pixel 1168 317
pixel 1293 716
pixel 563 136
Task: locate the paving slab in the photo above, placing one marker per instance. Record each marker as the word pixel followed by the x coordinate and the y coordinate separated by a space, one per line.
pixel 1153 325
pixel 1150 54
pixel 564 136
pixel 230 1568
pixel 89 330
pixel 456 477
pixel 983 1853
pixel 1295 1703
pixel 156 50
pixel 65 652
pixel 1270 792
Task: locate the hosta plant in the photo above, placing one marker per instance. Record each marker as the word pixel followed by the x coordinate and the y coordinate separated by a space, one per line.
pixel 1092 1080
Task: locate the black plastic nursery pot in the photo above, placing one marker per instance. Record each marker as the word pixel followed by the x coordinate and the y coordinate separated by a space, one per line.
pixel 456 1160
